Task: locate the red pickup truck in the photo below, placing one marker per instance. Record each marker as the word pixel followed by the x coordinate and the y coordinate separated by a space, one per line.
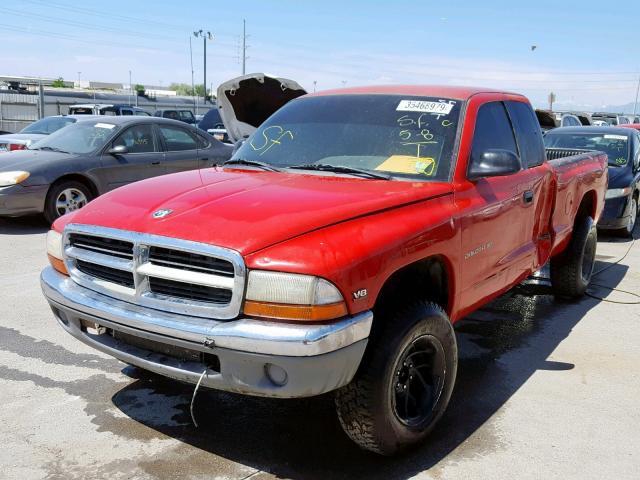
pixel 334 251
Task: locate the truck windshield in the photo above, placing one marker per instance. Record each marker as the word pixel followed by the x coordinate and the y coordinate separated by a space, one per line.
pixel 407 137
pixel 615 146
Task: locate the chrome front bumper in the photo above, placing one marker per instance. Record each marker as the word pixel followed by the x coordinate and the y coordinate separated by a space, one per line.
pixel 316 358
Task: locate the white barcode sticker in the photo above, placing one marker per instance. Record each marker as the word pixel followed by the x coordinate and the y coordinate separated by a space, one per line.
pixel 616 137
pixel 105 125
pixel 441 108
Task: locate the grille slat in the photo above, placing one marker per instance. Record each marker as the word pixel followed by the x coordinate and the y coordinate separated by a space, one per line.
pixel 190 261
pixel 105 273
pixel 189 291
pixel 110 246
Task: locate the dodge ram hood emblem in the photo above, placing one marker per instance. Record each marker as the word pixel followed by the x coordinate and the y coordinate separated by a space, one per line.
pixel 163 212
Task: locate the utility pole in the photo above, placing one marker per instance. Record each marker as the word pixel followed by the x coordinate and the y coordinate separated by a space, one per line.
pixel 635 104
pixel 205 36
pixel 244 46
pixel 79 79
pixel 193 87
pixel 130 87
pixel 315 82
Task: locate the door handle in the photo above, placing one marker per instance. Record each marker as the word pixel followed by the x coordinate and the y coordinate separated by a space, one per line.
pixel 528 196
pixel 155 163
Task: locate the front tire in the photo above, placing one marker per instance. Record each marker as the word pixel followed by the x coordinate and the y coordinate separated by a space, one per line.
pixel 571 271
pixel 404 383
pixel 65 197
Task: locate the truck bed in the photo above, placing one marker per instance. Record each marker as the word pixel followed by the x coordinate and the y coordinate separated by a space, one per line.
pixel 578 173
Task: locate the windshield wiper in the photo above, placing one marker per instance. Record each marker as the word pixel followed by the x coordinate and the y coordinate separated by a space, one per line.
pixel 252 163
pixel 325 167
pixel 51 149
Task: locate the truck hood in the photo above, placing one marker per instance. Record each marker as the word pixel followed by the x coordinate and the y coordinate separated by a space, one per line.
pixel 245 102
pixel 247 210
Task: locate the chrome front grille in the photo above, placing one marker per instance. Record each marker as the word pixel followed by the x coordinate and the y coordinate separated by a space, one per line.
pixel 164 273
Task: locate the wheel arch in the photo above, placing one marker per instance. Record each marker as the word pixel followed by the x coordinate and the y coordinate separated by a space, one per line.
pixel 587 207
pixel 430 279
pixel 78 177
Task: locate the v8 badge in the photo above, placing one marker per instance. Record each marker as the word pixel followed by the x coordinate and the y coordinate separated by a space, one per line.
pixel 359 294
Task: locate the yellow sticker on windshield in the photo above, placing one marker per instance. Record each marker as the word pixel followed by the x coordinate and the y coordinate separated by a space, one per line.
pixel 407 164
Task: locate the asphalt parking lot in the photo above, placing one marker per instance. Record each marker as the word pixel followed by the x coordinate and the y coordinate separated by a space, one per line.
pixel 545 390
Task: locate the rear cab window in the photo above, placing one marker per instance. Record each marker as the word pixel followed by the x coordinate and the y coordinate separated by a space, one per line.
pixel 528 133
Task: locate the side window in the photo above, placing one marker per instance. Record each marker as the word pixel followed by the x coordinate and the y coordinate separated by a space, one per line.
pixel 623 120
pixel 126 112
pixel 177 139
pixel 140 113
pixel 203 142
pixel 636 152
pixel 493 131
pixel 138 139
pixel 528 133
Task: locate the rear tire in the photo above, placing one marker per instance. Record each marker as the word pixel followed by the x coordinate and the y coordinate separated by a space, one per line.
pixel 404 383
pixel 65 197
pixel 571 271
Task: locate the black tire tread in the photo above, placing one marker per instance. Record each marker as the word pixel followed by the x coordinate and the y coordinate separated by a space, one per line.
pixel 355 401
pixel 566 276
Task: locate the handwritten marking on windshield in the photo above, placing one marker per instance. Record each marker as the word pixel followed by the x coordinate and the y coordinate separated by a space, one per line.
pixel 274 137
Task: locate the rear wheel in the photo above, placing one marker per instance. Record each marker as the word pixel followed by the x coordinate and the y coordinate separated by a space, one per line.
pixel 571 270
pixel 405 382
pixel 65 197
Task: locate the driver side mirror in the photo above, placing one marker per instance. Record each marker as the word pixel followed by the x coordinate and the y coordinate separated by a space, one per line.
pixel 493 163
pixel 118 150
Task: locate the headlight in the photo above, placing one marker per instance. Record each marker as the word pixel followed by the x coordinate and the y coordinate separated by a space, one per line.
pixel 54 251
pixel 617 192
pixel 12 178
pixel 290 296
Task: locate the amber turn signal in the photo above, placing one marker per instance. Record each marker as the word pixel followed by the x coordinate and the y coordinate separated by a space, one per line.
pixel 57 264
pixel 296 313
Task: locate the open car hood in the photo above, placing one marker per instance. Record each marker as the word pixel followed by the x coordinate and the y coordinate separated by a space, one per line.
pixel 247 101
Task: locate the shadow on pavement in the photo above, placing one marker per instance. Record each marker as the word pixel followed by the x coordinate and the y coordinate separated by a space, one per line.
pixel 23 225
pixel 501 347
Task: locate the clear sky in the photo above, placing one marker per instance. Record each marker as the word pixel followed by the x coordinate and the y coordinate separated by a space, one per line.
pixel 587 52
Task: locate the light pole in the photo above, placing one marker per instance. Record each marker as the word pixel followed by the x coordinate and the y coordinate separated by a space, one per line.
pixel 205 36
pixel 315 82
pixel 130 88
pixel 79 79
pixel 635 104
pixel 193 87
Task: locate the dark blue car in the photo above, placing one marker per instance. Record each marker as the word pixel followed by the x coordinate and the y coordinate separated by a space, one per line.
pixel 622 146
